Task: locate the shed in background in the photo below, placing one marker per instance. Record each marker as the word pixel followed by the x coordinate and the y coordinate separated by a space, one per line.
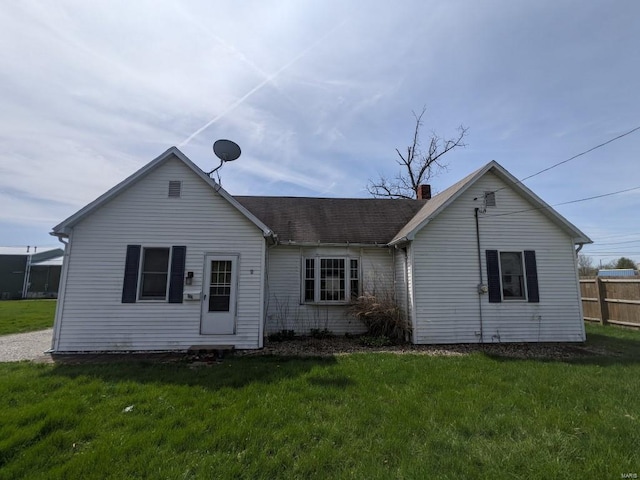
pixel 30 272
pixel 617 272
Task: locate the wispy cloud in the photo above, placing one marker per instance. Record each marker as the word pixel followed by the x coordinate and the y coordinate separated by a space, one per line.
pixel 318 95
pixel 267 80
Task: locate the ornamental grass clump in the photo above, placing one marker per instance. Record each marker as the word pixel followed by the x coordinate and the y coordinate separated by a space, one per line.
pixel 382 317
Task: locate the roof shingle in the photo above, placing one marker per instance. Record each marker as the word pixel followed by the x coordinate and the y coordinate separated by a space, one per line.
pixel 332 220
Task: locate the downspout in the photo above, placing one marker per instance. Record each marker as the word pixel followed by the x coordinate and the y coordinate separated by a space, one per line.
pixel 481 284
pixel 393 251
pixel 579 293
pixel 267 294
pixel 406 284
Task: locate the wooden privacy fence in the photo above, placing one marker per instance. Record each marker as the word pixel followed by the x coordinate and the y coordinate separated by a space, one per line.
pixel 611 300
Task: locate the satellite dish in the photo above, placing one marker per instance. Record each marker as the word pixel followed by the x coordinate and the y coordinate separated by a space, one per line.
pixel 226 150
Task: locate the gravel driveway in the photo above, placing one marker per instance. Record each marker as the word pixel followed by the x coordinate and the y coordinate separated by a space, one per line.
pixel 25 346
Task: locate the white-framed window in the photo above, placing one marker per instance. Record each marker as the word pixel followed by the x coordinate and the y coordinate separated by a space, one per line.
pixel 512 276
pixel 154 273
pixel 330 279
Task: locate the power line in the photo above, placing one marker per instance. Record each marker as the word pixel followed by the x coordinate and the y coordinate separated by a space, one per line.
pixel 618 235
pixel 566 203
pixel 580 154
pixel 574 157
pixel 617 243
pixel 609 254
pixel 617 249
pixel 615 255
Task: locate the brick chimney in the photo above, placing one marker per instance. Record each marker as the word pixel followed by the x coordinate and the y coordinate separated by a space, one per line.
pixel 424 192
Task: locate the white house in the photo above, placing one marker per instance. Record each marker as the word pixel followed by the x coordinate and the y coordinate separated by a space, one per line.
pixel 168 260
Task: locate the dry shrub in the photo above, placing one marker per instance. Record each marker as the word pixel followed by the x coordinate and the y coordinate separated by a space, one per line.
pixel 382 317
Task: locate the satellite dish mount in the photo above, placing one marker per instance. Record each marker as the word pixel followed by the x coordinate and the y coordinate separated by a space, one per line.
pixel 226 151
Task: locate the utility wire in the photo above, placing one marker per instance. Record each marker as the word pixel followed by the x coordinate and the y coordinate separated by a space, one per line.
pixel 565 203
pixel 580 154
pixel 617 243
pixel 602 253
pixel 613 247
pixel 619 235
pixel 609 254
pixel 612 253
pixel 574 157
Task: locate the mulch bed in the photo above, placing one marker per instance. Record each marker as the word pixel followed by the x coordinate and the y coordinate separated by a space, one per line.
pixel 321 347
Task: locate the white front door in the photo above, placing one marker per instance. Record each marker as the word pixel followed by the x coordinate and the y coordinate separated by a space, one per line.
pixel 220 286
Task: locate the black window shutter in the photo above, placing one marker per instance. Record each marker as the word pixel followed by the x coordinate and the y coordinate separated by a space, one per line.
pixel 493 276
pixel 176 282
pixel 130 284
pixel 531 270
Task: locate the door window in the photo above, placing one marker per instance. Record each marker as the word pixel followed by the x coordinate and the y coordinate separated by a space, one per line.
pixel 220 287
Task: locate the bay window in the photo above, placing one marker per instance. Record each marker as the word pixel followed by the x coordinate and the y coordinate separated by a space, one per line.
pixel 330 279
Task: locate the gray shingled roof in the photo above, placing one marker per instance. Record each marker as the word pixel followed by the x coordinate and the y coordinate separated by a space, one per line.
pixel 332 220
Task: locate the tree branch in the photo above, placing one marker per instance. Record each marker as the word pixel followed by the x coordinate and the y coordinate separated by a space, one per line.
pixel 417 167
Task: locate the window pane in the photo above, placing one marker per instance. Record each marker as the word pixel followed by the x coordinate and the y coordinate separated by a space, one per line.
pixel 220 288
pixel 155 269
pixel 219 303
pixel 512 275
pixel 154 286
pixel 355 290
pixel 332 279
pixel 156 259
pixel 309 280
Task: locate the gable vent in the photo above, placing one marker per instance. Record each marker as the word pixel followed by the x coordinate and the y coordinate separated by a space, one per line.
pixel 175 188
pixel 490 199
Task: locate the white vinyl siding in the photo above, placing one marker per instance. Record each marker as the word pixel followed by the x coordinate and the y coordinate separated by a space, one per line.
pixel 94 317
pixel 445 273
pixel 286 309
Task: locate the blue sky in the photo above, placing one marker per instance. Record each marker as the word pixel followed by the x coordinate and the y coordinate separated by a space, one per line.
pixel 318 95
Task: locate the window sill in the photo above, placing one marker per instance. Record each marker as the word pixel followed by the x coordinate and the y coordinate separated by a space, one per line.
pixel 327 304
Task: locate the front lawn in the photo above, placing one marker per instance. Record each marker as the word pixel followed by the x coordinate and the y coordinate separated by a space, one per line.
pixel 365 415
pixel 18 316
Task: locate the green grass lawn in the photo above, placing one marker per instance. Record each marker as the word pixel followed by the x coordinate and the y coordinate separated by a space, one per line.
pixel 354 416
pixel 17 316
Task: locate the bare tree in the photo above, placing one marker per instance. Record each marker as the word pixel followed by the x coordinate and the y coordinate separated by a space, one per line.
pixel 585 266
pixel 417 166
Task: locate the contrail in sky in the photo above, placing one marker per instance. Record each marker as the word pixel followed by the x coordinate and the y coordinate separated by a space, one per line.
pixel 258 87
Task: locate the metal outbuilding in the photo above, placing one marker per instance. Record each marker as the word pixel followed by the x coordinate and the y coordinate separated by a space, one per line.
pixel 30 272
pixel 617 272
